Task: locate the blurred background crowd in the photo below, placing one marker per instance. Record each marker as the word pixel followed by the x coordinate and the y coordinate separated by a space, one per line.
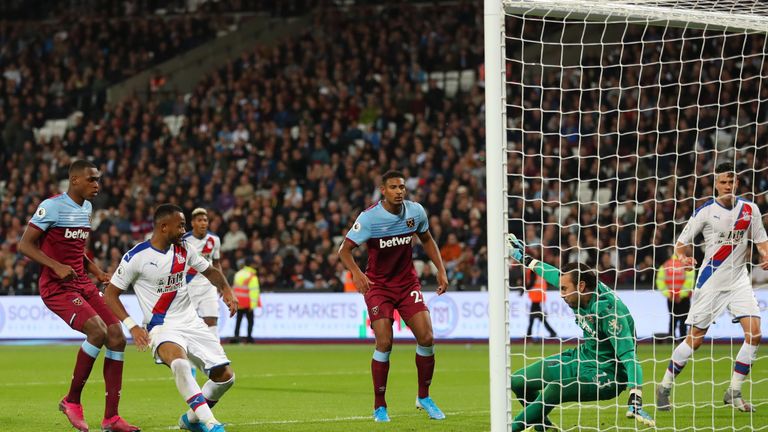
pixel 284 144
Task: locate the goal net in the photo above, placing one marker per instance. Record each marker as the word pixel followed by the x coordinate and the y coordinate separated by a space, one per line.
pixel 613 117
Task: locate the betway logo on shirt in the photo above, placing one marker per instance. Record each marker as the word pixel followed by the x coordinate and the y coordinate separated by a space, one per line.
pixel 394 241
pixel 76 234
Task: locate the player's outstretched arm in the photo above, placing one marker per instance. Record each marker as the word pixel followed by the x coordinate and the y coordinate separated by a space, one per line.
pixel 433 252
pixel 762 248
pixel 216 277
pixel 681 252
pixel 516 251
pixel 358 277
pixel 139 334
pixel 622 338
pixel 93 269
pixel 29 246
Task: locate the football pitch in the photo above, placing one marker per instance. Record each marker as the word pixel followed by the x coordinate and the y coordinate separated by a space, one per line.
pixel 328 388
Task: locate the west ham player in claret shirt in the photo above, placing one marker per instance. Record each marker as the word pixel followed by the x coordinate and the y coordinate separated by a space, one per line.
pixel 56 239
pixel 390 283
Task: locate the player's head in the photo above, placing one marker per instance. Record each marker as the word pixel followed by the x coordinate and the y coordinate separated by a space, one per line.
pixel 84 179
pixel 199 221
pixel 576 279
pixel 725 180
pixel 170 223
pixel 393 187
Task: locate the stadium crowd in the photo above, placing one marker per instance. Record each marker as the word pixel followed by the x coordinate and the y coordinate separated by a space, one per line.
pixel 284 147
pixel 619 148
pixel 54 67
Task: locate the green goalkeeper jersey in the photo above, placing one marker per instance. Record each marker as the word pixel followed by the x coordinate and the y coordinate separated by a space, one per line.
pixel 609 332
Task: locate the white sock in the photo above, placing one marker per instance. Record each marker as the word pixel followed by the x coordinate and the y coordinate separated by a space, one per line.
pixel 190 391
pixel 747 354
pixel 212 391
pixel 680 357
pixel 215 330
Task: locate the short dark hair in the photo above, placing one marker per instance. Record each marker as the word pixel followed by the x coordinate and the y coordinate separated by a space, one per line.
pixel 79 165
pixel 167 209
pixel 725 168
pixel 390 175
pixel 581 272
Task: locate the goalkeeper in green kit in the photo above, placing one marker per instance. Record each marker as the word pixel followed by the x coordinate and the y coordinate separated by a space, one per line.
pixel 601 367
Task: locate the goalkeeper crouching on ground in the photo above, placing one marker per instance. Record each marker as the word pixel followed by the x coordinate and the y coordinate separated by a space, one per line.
pixel 601 367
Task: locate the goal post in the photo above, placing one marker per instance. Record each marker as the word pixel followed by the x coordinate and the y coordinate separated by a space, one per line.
pixel 604 123
pixel 498 307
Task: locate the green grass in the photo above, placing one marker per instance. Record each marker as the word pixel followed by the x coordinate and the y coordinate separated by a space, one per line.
pixel 328 388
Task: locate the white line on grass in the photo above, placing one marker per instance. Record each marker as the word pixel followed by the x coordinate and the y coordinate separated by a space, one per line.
pixel 321 420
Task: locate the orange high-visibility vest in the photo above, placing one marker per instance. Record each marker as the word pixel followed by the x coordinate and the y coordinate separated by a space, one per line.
pixel 349 285
pixel 246 288
pixel 673 280
pixel 538 293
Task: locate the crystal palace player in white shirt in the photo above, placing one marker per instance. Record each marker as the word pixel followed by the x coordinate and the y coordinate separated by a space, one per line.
pixel 726 222
pixel 205 298
pixel 156 269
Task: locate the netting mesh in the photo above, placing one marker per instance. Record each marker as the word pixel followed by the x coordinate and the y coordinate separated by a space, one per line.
pixel 614 128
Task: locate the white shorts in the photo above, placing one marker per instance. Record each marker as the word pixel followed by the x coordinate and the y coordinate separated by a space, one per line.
pixel 201 346
pixel 204 296
pixel 709 304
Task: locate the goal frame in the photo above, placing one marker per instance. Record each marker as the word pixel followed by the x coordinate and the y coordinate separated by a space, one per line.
pixel 705 16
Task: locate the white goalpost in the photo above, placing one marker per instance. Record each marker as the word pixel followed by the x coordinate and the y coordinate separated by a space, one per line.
pixel 604 123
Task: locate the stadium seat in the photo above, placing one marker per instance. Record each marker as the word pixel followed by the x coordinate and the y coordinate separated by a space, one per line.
pixel 467 80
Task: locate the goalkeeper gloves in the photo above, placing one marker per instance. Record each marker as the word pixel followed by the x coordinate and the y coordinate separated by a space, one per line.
pixel 635 408
pixel 516 250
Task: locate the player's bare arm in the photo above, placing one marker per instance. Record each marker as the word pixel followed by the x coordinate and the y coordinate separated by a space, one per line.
pixel 139 333
pixel 358 277
pixel 29 246
pixel 681 252
pixel 94 269
pixel 216 277
pixel 763 249
pixel 430 247
pixel 217 264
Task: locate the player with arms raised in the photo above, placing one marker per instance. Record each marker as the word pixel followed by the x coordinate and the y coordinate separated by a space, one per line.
pixel 56 238
pixel 157 269
pixel 390 283
pixel 603 365
pixel 205 298
pixel 726 223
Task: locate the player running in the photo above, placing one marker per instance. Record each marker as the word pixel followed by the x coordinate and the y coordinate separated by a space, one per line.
pixel 156 269
pixel 726 222
pixel 390 283
pixel 205 298
pixel 55 238
pixel 600 368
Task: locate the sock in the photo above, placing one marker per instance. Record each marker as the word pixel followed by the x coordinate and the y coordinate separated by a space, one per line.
pixel 86 356
pixel 190 391
pixel 113 380
pixel 744 359
pixel 680 357
pixel 380 371
pixel 425 367
pixel 212 391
